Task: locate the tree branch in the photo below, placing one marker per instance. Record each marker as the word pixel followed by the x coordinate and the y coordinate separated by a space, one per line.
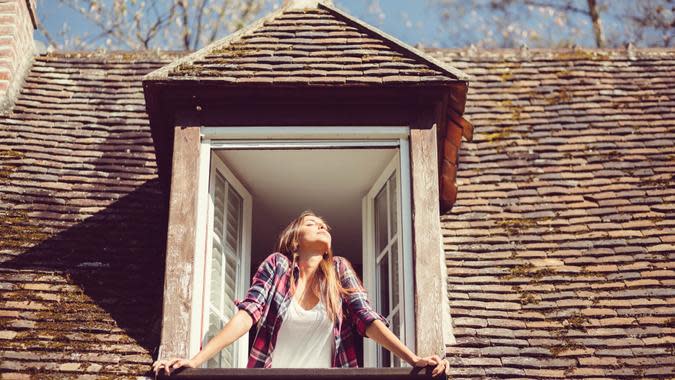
pixel 597 24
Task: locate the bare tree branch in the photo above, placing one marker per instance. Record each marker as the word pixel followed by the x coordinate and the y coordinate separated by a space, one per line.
pixel 131 24
pixel 200 16
pixel 185 23
pixel 555 23
pixel 597 24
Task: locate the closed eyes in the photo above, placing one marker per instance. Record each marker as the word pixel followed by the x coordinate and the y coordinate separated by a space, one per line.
pixel 312 223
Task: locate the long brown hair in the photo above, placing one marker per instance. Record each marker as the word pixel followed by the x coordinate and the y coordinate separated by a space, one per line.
pixel 325 283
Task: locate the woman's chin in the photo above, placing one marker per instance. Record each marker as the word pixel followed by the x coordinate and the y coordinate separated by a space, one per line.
pixel 318 247
pixel 323 245
pixel 323 249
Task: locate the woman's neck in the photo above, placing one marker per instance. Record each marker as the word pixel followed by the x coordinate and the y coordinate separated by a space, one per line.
pixel 308 263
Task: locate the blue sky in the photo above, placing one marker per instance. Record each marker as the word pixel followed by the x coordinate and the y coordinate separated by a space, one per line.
pixel 424 22
pixel 411 21
pixel 407 20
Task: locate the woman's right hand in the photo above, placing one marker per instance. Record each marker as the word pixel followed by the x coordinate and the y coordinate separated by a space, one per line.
pixel 439 365
pixel 233 330
pixel 169 365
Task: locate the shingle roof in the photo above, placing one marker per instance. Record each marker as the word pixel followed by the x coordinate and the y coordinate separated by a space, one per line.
pixel 312 46
pixel 560 248
pixel 81 220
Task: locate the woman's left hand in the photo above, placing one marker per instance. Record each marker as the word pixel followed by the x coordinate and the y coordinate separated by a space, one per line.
pixel 440 365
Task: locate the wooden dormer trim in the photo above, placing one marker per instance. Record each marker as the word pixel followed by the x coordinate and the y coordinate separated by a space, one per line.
pixel 432 318
pixel 180 244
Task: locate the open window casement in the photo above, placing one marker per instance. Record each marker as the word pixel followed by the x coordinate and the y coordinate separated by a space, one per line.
pixel 386 251
pixel 226 264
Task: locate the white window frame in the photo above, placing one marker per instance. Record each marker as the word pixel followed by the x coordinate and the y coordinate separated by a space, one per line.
pixel 205 210
pixel 400 165
pixel 291 137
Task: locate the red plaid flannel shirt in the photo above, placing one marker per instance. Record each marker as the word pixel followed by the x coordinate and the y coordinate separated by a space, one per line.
pixel 268 299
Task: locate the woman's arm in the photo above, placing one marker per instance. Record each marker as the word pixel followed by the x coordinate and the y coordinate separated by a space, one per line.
pixel 360 310
pixel 250 311
pixel 372 324
pixel 233 330
pixel 381 334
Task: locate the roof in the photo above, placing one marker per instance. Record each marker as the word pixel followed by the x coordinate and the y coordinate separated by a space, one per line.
pixel 559 248
pixel 311 46
pixel 82 220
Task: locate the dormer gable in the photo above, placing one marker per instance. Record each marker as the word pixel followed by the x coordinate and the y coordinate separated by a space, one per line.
pixel 318 49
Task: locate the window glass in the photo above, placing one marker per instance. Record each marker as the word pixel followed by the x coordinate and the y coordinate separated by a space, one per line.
pixel 224 359
pixel 381 236
pixel 393 205
pixel 388 269
pixel 234 209
pixel 394 276
pixel 224 262
pixel 395 323
pixel 383 285
pixel 385 357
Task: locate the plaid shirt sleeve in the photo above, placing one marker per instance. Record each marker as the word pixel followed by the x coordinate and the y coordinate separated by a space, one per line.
pixel 360 310
pixel 263 280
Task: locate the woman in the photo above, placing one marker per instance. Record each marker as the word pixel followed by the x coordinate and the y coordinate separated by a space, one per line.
pixel 306 304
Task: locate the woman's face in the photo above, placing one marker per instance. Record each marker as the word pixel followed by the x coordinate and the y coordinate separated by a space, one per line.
pixel 313 235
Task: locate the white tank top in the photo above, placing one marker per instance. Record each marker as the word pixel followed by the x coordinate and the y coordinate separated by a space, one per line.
pixel 305 339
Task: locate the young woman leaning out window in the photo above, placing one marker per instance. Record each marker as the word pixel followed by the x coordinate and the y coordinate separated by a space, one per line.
pixel 307 304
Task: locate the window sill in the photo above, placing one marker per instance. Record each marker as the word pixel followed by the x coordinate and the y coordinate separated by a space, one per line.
pixel 300 374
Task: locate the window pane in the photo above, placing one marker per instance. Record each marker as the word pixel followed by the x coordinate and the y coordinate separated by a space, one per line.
pixel 226 248
pixel 216 278
pixel 215 325
pixel 385 357
pixel 234 206
pixel 230 271
pixel 393 196
pixel 383 284
pixel 381 237
pixel 217 249
pixel 395 322
pixel 230 286
pixel 227 357
pixel 394 275
pixel 219 206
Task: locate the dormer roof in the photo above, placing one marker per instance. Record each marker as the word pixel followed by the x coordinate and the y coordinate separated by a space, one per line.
pixel 312 45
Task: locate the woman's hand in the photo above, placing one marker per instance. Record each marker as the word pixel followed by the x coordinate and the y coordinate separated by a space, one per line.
pixel 379 332
pixel 440 365
pixel 169 365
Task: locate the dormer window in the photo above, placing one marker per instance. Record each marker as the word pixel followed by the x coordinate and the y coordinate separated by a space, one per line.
pixel 232 123
pixel 356 183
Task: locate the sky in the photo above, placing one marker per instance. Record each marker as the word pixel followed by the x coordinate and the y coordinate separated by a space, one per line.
pixel 424 23
pixel 403 18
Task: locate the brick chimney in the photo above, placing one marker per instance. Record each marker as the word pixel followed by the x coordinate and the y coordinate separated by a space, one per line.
pixel 17 47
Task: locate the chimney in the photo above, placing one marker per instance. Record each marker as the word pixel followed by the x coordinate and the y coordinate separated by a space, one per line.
pixel 17 47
